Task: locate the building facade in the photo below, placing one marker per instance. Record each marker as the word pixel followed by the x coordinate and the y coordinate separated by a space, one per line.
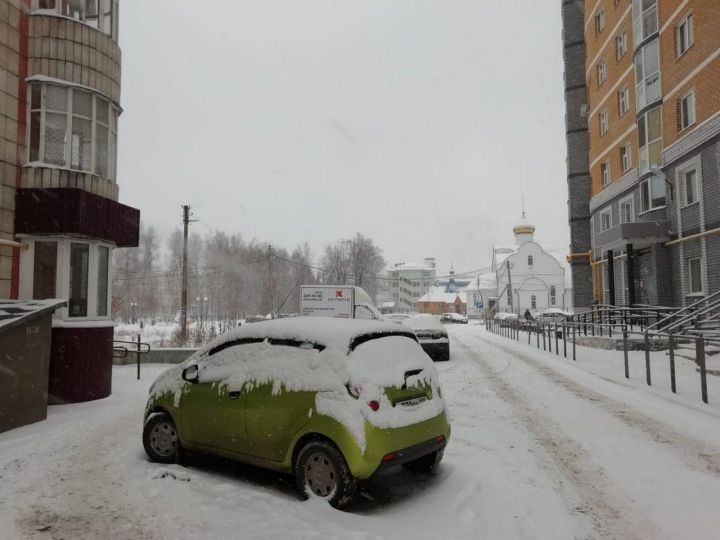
pixel 409 281
pixel 653 115
pixel 60 218
pixel 439 300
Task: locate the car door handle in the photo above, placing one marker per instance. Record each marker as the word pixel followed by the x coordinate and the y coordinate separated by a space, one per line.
pixel 234 395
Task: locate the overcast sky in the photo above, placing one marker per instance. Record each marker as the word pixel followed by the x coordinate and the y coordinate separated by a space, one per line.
pixel 417 123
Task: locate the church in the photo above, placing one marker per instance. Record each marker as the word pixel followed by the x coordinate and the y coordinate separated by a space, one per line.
pixel 524 277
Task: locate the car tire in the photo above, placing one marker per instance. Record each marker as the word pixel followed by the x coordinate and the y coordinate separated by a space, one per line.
pixel 161 440
pixel 425 463
pixel 321 471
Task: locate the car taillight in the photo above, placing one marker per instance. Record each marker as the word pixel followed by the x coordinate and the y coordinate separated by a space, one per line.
pixel 440 438
pixel 389 457
pixel 374 405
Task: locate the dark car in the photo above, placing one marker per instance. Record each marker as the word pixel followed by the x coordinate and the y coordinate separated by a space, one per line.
pixel 432 336
pixel 453 318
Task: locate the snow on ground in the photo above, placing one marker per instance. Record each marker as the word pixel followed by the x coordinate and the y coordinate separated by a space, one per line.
pixel 541 448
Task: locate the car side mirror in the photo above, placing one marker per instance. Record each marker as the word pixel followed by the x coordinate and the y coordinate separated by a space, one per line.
pixel 190 374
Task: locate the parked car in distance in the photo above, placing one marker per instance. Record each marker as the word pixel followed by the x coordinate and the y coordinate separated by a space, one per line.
pixel 332 401
pixel 432 336
pixel 454 318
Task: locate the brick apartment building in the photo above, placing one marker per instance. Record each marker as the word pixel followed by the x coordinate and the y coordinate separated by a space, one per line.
pixel 60 218
pixel 642 80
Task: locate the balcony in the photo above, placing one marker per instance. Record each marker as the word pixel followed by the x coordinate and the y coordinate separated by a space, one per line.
pixel 640 234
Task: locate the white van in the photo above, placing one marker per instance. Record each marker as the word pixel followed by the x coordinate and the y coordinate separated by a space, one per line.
pixel 340 301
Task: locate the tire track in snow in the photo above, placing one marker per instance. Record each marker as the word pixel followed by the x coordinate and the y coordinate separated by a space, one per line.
pixel 571 460
pixel 698 455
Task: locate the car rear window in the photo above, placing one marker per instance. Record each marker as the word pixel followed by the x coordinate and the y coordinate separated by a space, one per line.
pixel 359 340
pixel 233 343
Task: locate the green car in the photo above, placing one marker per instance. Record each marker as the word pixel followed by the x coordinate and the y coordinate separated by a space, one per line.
pixel 332 401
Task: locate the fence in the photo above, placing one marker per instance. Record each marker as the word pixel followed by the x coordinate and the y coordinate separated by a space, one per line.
pixel 121 350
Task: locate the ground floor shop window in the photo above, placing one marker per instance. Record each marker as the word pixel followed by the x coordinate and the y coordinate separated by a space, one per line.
pixel 79 263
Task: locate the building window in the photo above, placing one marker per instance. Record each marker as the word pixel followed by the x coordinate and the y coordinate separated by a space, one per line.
pixel 599 21
pixel 647 74
pixel 621 44
pixel 645 20
pixel 684 35
pixel 44 270
pixel 695 275
pixel 686 108
pixel 627 210
pixel 652 194
pixel 553 295
pixel 625 158
pixel 79 272
pixel 604 122
pixel 605 173
pixel 605 220
pixel 533 302
pixel 72 128
pixel 99 14
pixel 623 101
pixel 649 140
pixel 689 187
pixel 530 260
pixel 103 268
pixel 602 72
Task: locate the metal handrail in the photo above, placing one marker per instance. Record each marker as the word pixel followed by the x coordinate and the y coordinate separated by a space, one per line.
pixel 690 310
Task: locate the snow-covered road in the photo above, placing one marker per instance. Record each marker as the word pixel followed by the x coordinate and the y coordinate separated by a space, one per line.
pixel 541 448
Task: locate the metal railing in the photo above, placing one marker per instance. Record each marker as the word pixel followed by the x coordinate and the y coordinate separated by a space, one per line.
pixel 120 350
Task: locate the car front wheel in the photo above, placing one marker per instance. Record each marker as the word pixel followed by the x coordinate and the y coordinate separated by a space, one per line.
pixel 160 439
pixel 321 471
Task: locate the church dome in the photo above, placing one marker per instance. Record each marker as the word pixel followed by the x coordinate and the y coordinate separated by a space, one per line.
pixel 524 227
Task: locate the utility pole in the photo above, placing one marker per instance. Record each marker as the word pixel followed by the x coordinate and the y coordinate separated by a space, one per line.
pixel 183 296
pixel 271 282
pixel 510 293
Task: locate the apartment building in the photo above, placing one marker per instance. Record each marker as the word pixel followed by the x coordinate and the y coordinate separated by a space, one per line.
pixel 60 218
pixel 409 282
pixel 653 128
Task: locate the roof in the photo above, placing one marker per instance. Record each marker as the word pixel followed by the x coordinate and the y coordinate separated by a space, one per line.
pixel 327 331
pixel 16 312
pixel 438 294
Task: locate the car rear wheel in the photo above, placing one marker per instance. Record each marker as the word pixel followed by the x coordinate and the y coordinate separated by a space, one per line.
pixel 161 440
pixel 321 471
pixel 425 463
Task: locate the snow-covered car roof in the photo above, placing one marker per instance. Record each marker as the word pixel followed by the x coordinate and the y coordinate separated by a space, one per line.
pixel 423 323
pixel 328 332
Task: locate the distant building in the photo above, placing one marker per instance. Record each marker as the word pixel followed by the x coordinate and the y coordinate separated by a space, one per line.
pixel 439 300
pixel 525 277
pixel 410 281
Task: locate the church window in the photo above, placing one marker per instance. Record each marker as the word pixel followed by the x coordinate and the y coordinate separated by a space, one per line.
pixel 530 260
pixel 553 296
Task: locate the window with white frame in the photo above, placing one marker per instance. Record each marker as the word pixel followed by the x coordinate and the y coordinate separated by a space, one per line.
pixel 627 210
pixel 649 140
pixel 605 219
pixel 604 122
pixel 530 260
pixel 623 101
pixel 72 128
pixel 652 194
pixel 689 191
pixel 99 14
pixel 695 285
pixel 647 74
pixel 533 302
pixel 684 37
pixel 625 158
pixel 599 21
pixel 645 20
pixel 74 269
pixel 553 295
pixel 605 173
pixel 686 109
pixel 621 44
pixel 601 71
